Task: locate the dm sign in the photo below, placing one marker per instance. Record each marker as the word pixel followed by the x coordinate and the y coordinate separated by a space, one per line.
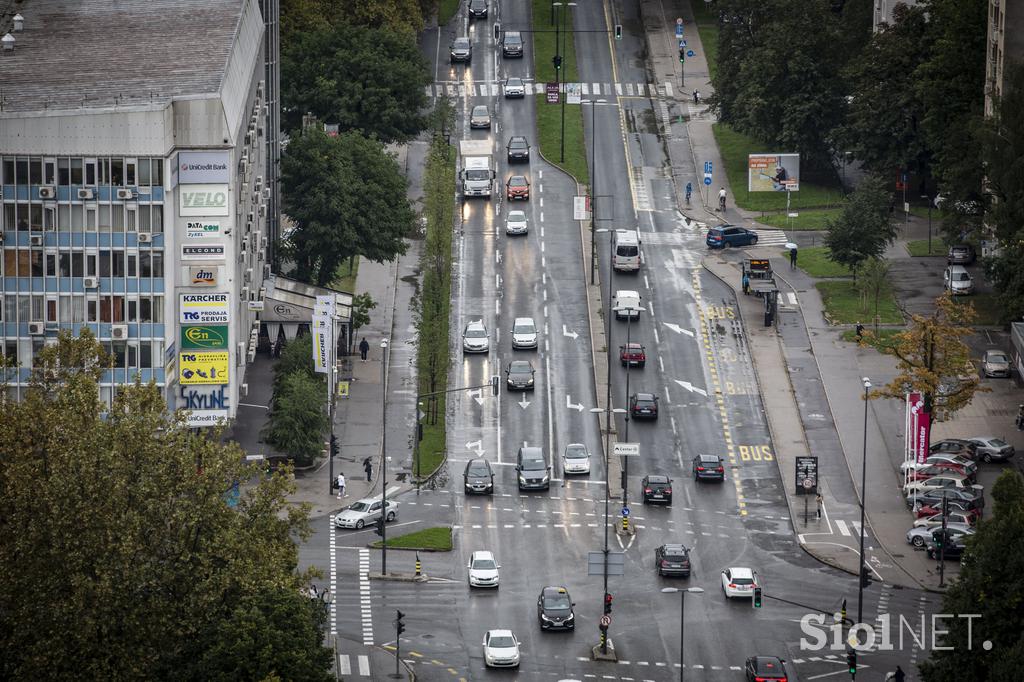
pixel 210 337
pixel 203 367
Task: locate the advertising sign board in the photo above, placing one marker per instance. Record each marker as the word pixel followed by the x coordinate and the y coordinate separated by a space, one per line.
pixel 207 404
pixel 201 252
pixel 202 229
pixel 773 172
pixel 204 337
pixel 203 200
pixel 197 168
pixel 204 309
pixel 203 367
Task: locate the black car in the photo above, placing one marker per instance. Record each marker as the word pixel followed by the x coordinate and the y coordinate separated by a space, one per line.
pixel 461 50
pixel 478 477
pixel 518 149
pixel 954 446
pixel 512 44
pixel 708 466
pixel 672 560
pixel 519 376
pixel 478 9
pixel 956 544
pixel 765 669
pixel 554 609
pixel 656 488
pixel 969 499
pixel 643 406
pixel 532 469
pixel 730 235
pixel 960 254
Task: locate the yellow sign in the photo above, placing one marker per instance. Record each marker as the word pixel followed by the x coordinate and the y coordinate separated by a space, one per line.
pixel 342 389
pixel 203 367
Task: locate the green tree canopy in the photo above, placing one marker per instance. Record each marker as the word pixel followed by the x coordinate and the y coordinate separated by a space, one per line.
pixel 121 555
pixel 989 586
pixel 863 230
pixel 405 16
pixel 347 197
pixel 297 356
pixel 370 80
pixel 298 418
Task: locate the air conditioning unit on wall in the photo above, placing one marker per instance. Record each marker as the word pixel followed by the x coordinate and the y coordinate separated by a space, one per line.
pixel 119 332
pixel 36 328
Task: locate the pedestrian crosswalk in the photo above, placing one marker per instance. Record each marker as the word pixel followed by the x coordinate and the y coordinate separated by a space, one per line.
pixel 362 665
pixel 493 89
pixel 848 528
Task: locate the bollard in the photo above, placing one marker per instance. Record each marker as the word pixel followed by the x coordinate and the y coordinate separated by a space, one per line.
pixel 419 566
pixel 625 524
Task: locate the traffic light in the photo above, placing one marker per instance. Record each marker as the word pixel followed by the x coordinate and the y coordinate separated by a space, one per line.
pixel 379 529
pixel 865 576
pixel 607 603
pixel 399 625
pixel 618 31
pixel 495 383
pixel 851 661
pixel 334 445
pixel 557 61
pixel 757 597
pixel 682 54
pixel 497 31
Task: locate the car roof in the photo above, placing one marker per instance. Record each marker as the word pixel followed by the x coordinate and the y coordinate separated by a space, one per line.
pixel 462 39
pixel 621 293
pixel 656 478
pixel 517 138
pixel 674 547
pixel 554 589
pixel 516 213
pixel 710 458
pixel 645 396
pixel 512 34
pixel 500 633
pixel 511 79
pixel 531 451
pixel 478 107
pixel 575 445
pixel 517 178
pixel 741 572
pixel 475 323
pixel 369 500
pixel 764 662
pixel 520 365
pixel 482 554
pixel 524 320
pixel 957 268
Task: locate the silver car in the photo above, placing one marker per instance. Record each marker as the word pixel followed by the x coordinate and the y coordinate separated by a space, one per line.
pixel 991 449
pixel 576 459
pixel 480 117
pixel 958 280
pixel 524 333
pixel 995 363
pixel 920 537
pixel 474 338
pixel 515 223
pixel 514 87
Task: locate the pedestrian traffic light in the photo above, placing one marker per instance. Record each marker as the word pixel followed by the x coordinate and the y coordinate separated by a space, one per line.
pixel 399 625
pixel 865 576
pixel 851 661
pixel 379 529
pixel 607 603
pixel 682 54
pixel 334 445
pixel 618 31
pixel 557 61
pixel 757 597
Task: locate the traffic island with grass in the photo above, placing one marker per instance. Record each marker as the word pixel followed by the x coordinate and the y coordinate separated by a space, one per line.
pixel 437 539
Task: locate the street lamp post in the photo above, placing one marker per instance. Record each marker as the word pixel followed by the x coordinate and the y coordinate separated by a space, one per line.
pixel 559 38
pixel 929 200
pixel 682 618
pixel 593 185
pixel 384 456
pixel 863 492
pixel 625 460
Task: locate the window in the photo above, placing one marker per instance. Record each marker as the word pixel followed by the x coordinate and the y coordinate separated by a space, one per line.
pixel 112 309
pixel 104 264
pixel 10 215
pixel 22 171
pixel 145 263
pixel 143 172
pixel 118 264
pixel 90 310
pixel 133 310
pixel 117 218
pixel 7 170
pixel 90 265
pixel 36 257
pixel 76 171
pixel 104 171
pixel 51 310
pixel 10 262
pixel 49 218
pixel 158 264
pixel 37 307
pixel 35 214
pixel 104 218
pixel 129 172
pixel 90 171
pixel 65 265
pixel 64 171
pixel 11 351
pixel 146 354
pixel 133 263
pixel 151 309
pixel 35 171
pixel 118 352
pixel 158 218
pixel 133 356
pixel 117 172
pixel 49 171
pixel 157 175
pixel 77 258
pixel 51 265
pixel 78 309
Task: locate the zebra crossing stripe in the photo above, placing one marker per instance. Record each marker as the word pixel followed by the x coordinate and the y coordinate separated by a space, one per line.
pixel 596 89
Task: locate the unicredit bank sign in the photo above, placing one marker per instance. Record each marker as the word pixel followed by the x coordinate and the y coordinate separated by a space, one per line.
pixel 198 168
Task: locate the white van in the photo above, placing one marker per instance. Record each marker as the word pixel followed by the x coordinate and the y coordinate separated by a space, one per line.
pixel 625 250
pixel 626 305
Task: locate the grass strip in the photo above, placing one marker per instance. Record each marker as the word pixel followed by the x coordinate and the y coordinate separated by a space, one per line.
pixel 438 539
pixel 919 247
pixel 345 276
pixel 810 220
pixel 845 305
pixel 446 9
pixel 707 27
pixel 815 262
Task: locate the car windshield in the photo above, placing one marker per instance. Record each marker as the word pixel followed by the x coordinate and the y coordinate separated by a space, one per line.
pixel 360 506
pixel 519 368
pixel 478 468
pixel 462 43
pixel 961 276
pixel 515 81
pixel 502 642
pixel 475 333
pixel 997 357
pixel 512 39
pixel 484 565
pixel 996 443
pixel 517 144
pixel 516 217
pixel 674 553
pixel 557 600
pixel 524 328
pixel 575 452
pixel 479 111
pixel 534 464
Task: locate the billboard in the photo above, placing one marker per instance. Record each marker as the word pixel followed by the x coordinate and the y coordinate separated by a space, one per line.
pixel 203 367
pixel 773 172
pixel 204 337
pixel 202 276
pixel 203 200
pixel 197 252
pixel 203 309
pixel 198 168
pixel 207 404
pixel 202 229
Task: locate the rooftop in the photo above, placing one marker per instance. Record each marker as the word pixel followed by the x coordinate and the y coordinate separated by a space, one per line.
pixel 105 53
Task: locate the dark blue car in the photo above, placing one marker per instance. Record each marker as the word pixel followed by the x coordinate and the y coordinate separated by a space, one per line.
pixel 730 235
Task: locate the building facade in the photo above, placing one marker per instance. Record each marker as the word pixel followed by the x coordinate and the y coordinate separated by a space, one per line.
pixel 1005 45
pixel 882 11
pixel 134 202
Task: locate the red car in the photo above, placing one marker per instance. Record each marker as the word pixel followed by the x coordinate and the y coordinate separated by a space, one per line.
pixel 930 510
pixel 517 187
pixel 632 354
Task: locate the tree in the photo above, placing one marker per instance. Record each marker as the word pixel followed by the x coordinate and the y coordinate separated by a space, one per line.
pixel 297 356
pixel 883 122
pixel 347 197
pixel 121 556
pixel 368 80
pixel 862 230
pixel 933 359
pixel 1002 147
pixel 740 24
pixel 989 586
pixel 405 16
pixel 298 418
pixel 362 304
pixel 874 284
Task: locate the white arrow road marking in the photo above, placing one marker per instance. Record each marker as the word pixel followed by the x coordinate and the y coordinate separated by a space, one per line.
pixel 476 446
pixel 677 329
pixel 568 403
pixel 477 395
pixel 524 403
pixel 566 332
pixel 691 388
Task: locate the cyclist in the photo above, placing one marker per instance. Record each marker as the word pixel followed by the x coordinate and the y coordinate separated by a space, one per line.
pixel 721 199
pixel 689 191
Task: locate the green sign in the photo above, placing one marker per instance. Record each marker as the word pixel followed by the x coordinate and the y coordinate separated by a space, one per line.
pixel 205 337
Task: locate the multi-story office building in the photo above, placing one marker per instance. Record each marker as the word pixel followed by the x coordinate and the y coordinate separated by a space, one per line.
pixel 134 201
pixel 1005 45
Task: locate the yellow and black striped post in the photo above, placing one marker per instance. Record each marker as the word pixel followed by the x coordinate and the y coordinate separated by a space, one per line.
pixel 419 566
pixel 625 524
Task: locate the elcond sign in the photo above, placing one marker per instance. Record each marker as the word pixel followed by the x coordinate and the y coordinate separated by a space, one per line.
pixel 197 168
pixel 203 200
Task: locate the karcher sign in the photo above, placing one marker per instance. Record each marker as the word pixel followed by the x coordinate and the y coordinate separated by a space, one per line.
pixel 196 168
pixel 204 309
pixel 203 200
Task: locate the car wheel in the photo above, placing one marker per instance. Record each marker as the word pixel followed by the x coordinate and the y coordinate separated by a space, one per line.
pixel 641 365
pixel 917 541
pixel 726 245
pixel 359 524
pixel 753 241
pixel 391 516
pixel 986 457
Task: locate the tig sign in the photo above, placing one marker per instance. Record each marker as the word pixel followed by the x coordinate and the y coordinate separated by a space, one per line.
pixel 323 339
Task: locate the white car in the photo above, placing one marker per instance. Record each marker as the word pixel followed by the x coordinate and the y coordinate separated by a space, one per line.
pixel 953 518
pixel 738 582
pixel 920 537
pixel 576 459
pixel 626 305
pixel 483 569
pixel 501 649
pixel 958 280
pixel 524 333
pixel 515 223
pixel 474 338
pixel 365 512
pixel 936 459
pixel 936 482
pixel 514 87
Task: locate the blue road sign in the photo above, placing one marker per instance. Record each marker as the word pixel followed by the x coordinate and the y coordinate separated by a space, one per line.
pixel 690 53
pixel 682 43
pixel 707 167
pixel 625 511
pixel 679 30
pixel 707 180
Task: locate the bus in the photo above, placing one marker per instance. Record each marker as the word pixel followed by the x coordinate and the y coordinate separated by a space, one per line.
pixel 625 250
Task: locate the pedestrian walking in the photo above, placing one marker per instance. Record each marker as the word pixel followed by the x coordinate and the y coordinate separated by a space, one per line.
pixel 900 676
pixel 689 191
pixel 818 501
pixel 277 348
pixel 721 199
pixel 746 284
pixel 860 331
pixel 364 348
pixel 368 468
pixel 696 96
pixel 1020 418
pixel 341 486
pixel 792 258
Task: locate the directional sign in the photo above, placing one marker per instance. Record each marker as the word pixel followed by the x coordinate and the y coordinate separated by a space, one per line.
pixel 626 449
pixel 524 403
pixel 566 332
pixel 677 329
pixel 691 388
pixel 568 403
pixel 707 168
pixel 625 511
pixel 596 561
pixel 707 180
